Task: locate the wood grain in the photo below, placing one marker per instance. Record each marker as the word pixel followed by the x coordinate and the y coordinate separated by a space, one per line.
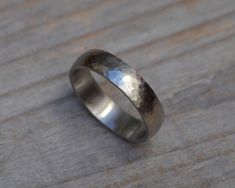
pixel 184 49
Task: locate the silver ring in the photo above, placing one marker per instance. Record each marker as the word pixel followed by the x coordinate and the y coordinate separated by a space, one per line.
pixel 128 81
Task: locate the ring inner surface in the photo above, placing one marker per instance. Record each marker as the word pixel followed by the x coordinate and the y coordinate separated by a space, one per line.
pixel 105 109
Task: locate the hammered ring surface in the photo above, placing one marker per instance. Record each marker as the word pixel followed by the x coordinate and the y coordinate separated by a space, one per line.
pixel 129 82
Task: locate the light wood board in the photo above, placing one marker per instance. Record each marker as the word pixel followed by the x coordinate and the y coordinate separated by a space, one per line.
pixel 185 49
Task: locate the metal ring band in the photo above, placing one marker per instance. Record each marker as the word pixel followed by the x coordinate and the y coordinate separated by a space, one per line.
pixel 129 82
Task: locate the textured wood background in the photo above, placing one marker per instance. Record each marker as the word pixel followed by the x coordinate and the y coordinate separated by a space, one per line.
pixel 185 49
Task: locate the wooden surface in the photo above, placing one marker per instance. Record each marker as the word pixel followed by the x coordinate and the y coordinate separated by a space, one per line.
pixel 185 49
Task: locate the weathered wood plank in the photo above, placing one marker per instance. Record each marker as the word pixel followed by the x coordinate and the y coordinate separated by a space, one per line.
pixel 6 4
pixel 230 182
pixel 46 36
pixel 57 137
pixel 66 147
pixel 167 84
pixel 184 49
pixel 24 16
pixel 174 169
pixel 36 13
pixel 49 35
pixel 39 67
